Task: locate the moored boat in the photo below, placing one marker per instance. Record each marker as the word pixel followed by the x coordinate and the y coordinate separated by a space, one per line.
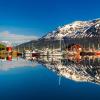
pixel 97 52
pixel 35 54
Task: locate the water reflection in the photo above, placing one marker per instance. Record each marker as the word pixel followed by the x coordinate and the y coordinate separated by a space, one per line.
pixel 8 62
pixel 81 69
pixel 77 68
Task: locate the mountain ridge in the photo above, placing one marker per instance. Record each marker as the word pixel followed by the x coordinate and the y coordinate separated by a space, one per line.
pixel 82 32
pixel 75 29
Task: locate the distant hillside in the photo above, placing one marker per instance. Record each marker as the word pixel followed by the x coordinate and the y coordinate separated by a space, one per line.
pixel 82 32
pixel 2 46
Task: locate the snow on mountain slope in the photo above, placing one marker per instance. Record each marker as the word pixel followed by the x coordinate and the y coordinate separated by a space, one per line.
pixel 77 29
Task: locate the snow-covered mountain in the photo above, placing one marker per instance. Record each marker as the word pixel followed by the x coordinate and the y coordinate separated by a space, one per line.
pixel 76 32
pixel 77 29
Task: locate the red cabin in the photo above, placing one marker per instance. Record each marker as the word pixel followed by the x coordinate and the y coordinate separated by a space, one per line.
pixel 75 47
pixel 9 49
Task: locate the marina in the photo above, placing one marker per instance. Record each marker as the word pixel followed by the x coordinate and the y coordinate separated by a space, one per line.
pixel 49 50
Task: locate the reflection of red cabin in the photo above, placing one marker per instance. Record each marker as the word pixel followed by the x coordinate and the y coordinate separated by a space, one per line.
pixel 9 49
pixel 75 48
pixel 9 58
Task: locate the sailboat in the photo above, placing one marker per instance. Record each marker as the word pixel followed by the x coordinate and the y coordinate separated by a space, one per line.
pixel 35 54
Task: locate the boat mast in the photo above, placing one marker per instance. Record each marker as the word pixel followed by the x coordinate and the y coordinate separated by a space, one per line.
pixel 59 80
pixel 98 46
pixel 60 43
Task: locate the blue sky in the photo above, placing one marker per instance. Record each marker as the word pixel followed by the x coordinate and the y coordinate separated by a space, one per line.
pixel 37 17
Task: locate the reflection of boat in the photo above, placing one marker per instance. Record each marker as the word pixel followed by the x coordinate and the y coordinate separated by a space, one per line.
pixel 28 58
pixel 87 53
pixel 19 54
pixel 75 58
pixel 28 53
pixel 35 54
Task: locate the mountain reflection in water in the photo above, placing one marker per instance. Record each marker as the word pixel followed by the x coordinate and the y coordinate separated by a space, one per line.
pixel 81 69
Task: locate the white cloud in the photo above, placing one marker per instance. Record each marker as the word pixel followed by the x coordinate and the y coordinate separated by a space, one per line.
pixel 14 38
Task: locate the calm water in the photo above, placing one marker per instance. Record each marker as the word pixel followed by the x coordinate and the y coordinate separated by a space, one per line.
pixel 50 79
